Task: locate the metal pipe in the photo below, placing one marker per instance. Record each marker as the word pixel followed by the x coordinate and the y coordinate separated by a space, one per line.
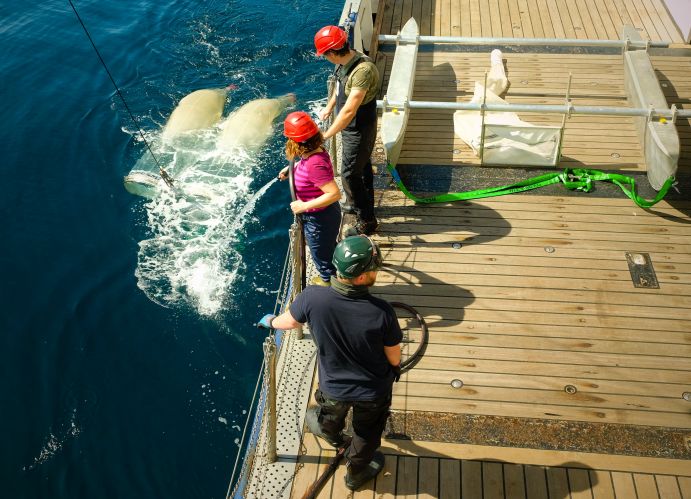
pixel 270 407
pixel 538 108
pixel 552 42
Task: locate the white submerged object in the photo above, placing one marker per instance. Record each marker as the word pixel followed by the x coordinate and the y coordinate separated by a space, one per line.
pixel 250 126
pixel 400 90
pixel 200 109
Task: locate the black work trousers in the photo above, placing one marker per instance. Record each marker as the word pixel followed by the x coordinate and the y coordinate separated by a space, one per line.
pixel 356 165
pixel 369 420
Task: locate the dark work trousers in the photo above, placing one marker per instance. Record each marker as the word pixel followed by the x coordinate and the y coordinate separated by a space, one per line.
pixel 356 161
pixel 321 230
pixel 369 420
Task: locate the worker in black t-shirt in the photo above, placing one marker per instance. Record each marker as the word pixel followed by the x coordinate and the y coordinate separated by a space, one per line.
pixel 359 354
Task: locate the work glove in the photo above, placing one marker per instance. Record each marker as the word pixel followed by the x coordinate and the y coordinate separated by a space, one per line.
pixel 396 372
pixel 265 321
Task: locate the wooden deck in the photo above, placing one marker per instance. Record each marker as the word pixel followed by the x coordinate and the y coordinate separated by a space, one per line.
pixel 575 383
pixel 425 470
pixel 538 297
pixel 585 19
pixel 601 142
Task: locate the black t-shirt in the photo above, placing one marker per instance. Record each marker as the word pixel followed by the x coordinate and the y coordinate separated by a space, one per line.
pixel 351 334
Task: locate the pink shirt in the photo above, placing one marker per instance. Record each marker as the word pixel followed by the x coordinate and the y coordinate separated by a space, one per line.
pixel 310 174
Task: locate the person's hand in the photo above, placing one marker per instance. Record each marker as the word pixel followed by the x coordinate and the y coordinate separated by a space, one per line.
pixel 265 322
pixel 324 114
pixel 298 206
pixel 283 174
pixel 396 372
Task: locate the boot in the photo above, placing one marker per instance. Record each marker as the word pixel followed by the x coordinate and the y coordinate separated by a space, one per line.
pixel 312 423
pixel 356 480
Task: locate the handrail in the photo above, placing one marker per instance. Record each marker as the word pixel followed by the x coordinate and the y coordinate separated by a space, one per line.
pixel 550 42
pixel 670 114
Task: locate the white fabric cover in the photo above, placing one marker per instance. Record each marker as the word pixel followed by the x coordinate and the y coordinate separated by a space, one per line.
pixel 508 139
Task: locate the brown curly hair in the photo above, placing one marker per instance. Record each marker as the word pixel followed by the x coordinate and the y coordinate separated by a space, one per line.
pixel 297 149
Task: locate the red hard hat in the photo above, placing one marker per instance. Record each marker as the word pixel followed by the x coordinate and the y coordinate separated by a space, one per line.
pixel 299 126
pixel 329 37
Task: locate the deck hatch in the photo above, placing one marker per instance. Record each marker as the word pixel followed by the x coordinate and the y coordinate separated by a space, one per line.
pixel 642 271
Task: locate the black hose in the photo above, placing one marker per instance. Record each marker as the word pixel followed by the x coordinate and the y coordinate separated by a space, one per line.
pixel 413 359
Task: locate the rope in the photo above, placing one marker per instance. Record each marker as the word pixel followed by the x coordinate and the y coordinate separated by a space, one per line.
pixel 164 175
pixel 573 179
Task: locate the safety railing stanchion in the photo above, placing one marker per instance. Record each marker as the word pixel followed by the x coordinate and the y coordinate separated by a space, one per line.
pixel 297 271
pixel 270 377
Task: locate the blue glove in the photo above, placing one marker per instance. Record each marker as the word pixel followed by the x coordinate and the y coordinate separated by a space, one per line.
pixel 265 321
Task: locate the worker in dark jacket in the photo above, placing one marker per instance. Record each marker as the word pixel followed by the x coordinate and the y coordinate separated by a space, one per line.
pixel 359 354
pixel 355 103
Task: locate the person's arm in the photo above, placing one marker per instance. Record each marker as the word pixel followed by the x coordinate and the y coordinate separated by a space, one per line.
pixel 346 115
pixel 326 112
pixel 331 194
pixel 393 354
pixel 282 322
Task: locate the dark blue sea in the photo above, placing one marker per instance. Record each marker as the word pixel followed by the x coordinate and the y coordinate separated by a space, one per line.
pixel 128 354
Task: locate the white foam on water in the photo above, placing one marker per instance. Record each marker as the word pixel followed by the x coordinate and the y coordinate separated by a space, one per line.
pixel 56 440
pixel 191 256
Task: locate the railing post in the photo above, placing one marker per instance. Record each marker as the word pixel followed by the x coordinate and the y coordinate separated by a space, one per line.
pixel 298 244
pixel 270 376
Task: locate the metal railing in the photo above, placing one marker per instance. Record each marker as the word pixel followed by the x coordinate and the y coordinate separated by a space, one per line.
pixel 548 42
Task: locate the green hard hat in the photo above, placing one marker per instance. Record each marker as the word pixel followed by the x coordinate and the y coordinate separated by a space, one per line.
pixel 356 255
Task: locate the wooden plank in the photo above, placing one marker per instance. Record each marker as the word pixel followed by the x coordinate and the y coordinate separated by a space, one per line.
pixel 685 487
pixel 562 370
pixel 505 18
pixel 646 488
pixel 623 484
pixel 596 20
pixel 544 13
pixel 526 24
pixel 407 478
pixel 536 482
pixel 475 20
pixel 492 13
pixel 536 380
pixel 471 478
pixel 492 480
pixel 645 19
pixel 670 407
pixel 449 479
pixel 427 18
pixel 428 482
pixel 385 483
pixel 668 487
pixel 326 456
pixel 602 7
pixel 514 482
pixel 586 21
pixel 602 486
pixel 566 21
pixel 515 16
pixel 543 411
pixel 535 19
pixel 579 483
pixel 308 466
pixel 537 457
pixel 463 18
pixel 557 482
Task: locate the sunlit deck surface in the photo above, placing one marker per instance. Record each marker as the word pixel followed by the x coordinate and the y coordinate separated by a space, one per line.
pixel 574 381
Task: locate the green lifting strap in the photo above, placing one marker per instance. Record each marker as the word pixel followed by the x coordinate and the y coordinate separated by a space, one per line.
pixel 573 178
